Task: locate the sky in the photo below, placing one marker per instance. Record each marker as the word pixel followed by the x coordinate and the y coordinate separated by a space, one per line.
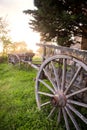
pixel 12 10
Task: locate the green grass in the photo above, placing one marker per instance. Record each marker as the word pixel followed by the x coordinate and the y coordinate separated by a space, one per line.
pixel 18 109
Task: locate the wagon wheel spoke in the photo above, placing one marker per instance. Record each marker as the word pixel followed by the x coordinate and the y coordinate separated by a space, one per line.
pixel 59 115
pixel 77 113
pixel 63 74
pixel 77 103
pixel 65 119
pixel 72 118
pixel 44 104
pixel 73 79
pixel 50 79
pixel 45 94
pixel 46 85
pixel 51 112
pixel 56 75
pixel 77 92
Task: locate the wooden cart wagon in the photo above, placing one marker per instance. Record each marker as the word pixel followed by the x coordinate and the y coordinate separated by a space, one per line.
pixel 61 84
pixel 17 59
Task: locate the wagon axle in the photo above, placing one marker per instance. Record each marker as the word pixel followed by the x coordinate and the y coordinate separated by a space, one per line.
pixel 59 99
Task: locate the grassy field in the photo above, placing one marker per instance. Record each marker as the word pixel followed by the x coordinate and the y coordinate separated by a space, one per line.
pixel 18 109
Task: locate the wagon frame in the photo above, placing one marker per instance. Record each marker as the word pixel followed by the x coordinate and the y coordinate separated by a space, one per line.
pixel 61 83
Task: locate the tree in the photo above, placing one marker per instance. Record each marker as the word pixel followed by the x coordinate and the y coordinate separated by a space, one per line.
pixel 4 38
pixel 59 20
pixel 20 47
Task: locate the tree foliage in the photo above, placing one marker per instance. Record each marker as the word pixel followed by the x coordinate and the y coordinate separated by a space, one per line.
pixel 60 20
pixel 4 38
pixel 20 47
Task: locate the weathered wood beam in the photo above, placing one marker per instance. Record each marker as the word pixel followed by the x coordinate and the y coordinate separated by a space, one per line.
pixel 31 64
pixel 79 54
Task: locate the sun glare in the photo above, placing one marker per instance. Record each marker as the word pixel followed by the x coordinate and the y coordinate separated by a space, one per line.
pixel 18 23
pixel 22 32
pixel 32 40
pixel 1 47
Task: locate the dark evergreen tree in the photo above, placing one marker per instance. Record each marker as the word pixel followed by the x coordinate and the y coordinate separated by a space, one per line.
pixel 60 20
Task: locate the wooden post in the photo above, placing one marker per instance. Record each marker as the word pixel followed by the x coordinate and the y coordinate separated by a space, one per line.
pixel 44 53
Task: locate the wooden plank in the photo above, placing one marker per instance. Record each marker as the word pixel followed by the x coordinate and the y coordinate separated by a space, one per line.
pixel 31 64
pixel 80 54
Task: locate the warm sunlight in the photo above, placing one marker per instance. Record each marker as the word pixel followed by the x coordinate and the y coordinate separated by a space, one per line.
pixel 1 47
pixel 20 31
pixel 32 40
pixel 18 22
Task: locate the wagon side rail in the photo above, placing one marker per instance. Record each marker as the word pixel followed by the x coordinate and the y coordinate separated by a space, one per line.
pixel 80 54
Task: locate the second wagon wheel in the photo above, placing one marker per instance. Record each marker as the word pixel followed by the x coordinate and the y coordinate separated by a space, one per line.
pixel 63 89
pixel 15 60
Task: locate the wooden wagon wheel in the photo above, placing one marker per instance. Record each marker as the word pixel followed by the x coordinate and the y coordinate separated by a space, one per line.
pixel 62 91
pixel 14 59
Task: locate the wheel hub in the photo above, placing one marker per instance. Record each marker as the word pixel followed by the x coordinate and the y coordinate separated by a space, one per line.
pixel 59 99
